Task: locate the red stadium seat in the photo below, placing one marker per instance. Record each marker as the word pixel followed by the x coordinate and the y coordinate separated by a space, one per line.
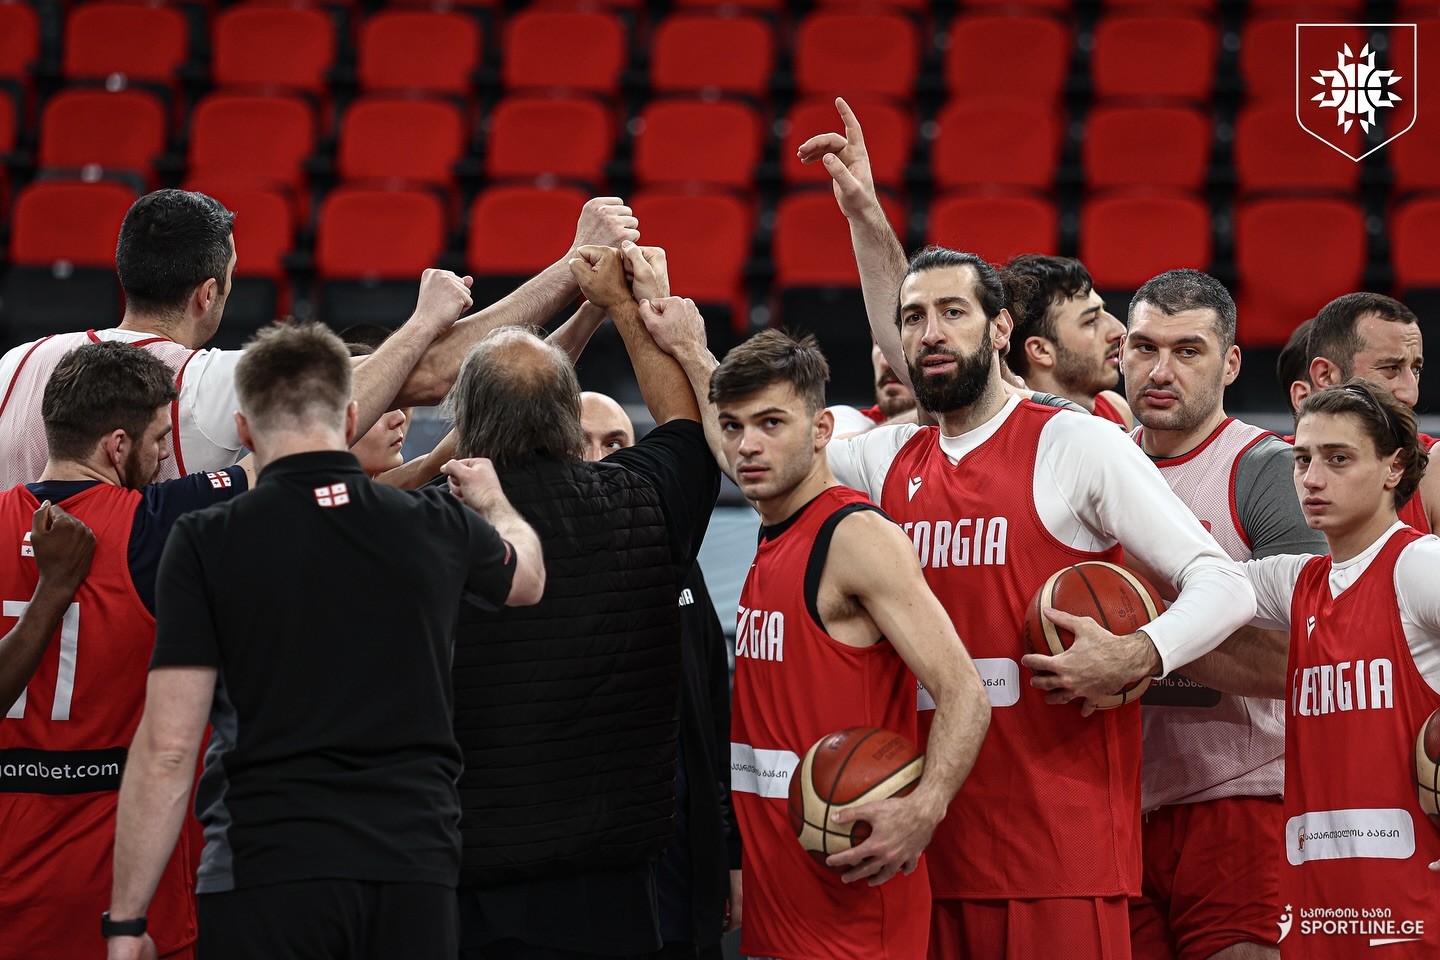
pixel 1156 146
pixel 707 241
pixel 1267 57
pixel 580 50
pixel 1325 10
pixel 118 131
pixel 1036 51
pixel 517 231
pixel 997 228
pixel 729 54
pixel 1414 228
pixel 1284 280
pixel 840 52
pixel 690 141
pixel 290 48
pixel 10 118
pixel 1127 239
pixel 910 6
pixel 417 141
pixel 812 240
pixel 147 43
pixel 419 50
pixel 264 140
pixel 1272 153
pixel 763 6
pixel 378 234
pixel 19 40
pixel 1155 57
pixel 62 220
pixel 1415 157
pixel 889 136
pixel 989 143
pixel 542 137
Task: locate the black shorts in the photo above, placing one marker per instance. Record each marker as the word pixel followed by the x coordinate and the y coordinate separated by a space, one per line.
pixel 329 920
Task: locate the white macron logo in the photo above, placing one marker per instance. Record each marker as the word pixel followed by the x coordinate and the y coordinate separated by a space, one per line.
pixel 914 487
pixel 1355 89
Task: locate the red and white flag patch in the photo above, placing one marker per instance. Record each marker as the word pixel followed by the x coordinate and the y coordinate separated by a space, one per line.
pixel 335 495
pixel 220 481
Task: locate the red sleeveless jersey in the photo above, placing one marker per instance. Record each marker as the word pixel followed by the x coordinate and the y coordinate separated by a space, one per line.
pixel 1413 512
pixel 1357 845
pixel 63 745
pixel 1052 807
pixel 1105 410
pixel 794 684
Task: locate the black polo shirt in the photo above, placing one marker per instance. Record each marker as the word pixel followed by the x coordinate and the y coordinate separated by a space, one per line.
pixel 327 603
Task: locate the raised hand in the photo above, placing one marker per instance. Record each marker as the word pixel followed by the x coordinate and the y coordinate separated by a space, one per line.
pixel 675 324
pixel 605 222
pixel 648 272
pixel 600 271
pixel 474 481
pixel 63 546
pixel 847 161
pixel 444 297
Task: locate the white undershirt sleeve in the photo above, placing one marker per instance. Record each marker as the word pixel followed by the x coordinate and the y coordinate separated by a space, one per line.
pixel 862 462
pixel 1113 489
pixel 1273 579
pixel 207 395
pixel 1417 586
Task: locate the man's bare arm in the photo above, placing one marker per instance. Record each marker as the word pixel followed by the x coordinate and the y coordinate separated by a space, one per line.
pixel 679 330
pixel 1252 662
pixel 475 482
pixel 603 221
pixel 63 549
pixel 878 253
pixel 871 560
pixel 574 334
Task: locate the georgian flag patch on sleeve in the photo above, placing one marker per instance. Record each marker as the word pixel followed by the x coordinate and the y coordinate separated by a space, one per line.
pixel 220 481
pixel 335 495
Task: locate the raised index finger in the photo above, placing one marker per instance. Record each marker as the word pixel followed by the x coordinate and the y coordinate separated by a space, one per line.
pixel 852 126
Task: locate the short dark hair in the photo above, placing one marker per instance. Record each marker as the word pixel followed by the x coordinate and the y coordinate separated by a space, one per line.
pixel 515 413
pixel 990 289
pixel 1034 285
pixel 101 387
pixel 171 242
pixel 1176 291
pixel 292 376
pixel 368 334
pixel 1389 424
pixel 773 356
pixel 1294 360
pixel 1335 334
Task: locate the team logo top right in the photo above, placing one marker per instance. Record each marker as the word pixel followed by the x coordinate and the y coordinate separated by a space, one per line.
pixel 1355 83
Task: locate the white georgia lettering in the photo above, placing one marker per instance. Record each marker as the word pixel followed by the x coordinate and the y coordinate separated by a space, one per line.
pixel 1342 687
pixel 963 542
pixel 760 635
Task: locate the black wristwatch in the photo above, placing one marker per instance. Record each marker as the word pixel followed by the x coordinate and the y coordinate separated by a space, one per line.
pixel 121 928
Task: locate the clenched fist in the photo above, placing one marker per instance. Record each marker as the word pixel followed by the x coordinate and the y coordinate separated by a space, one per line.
pixel 444 297
pixel 600 271
pixel 675 324
pixel 605 222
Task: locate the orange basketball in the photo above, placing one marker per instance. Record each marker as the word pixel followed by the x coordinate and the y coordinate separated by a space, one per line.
pixel 1119 600
pixel 1427 767
pixel 847 769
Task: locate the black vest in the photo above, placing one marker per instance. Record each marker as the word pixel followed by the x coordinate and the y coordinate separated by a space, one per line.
pixel 566 711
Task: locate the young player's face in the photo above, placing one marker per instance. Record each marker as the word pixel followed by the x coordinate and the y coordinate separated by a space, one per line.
pixel 1175 371
pixel 142 463
pixel 770 440
pixel 1342 482
pixel 946 337
pixel 380 449
pixel 892 396
pixel 1392 356
pixel 1087 344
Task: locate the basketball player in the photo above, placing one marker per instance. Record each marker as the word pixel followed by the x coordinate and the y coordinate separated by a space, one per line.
pixel 833 618
pixel 1361 674
pixel 1000 496
pixel 175 257
pixel 1373 336
pixel 1213 764
pixel 1290 367
pixel 894 402
pixel 1065 342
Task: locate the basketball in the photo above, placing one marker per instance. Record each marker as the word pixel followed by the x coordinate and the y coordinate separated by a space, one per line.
pixel 1119 600
pixel 1427 767
pixel 847 769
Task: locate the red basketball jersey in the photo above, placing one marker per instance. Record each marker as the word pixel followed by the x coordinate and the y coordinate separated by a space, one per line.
pixel 1105 410
pixel 1357 845
pixel 63 745
pixel 794 684
pixel 1413 512
pixel 1052 807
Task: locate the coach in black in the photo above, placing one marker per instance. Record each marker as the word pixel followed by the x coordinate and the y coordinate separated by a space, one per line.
pixel 312 620
pixel 567 711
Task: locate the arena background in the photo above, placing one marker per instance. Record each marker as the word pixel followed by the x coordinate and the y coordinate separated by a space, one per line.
pixel 361 142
